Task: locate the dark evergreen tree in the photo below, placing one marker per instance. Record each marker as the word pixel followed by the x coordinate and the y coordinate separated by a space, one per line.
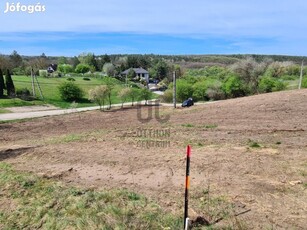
pixel 9 84
pixel 2 85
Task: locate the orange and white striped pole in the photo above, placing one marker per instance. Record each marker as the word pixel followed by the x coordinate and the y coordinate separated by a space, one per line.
pixel 187 187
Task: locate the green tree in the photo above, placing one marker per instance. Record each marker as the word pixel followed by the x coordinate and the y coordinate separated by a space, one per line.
pixel 266 84
pixel 109 69
pixel 66 68
pixel 5 63
pixel 62 60
pixel 2 85
pixel 10 88
pixel 134 94
pixel 234 87
pixel 69 91
pixel 124 94
pixel 250 71
pixel 161 69
pixel 145 95
pixel 99 95
pixel 15 59
pixel 199 91
pixel 88 59
pixel 184 90
pixel 304 82
pixel 131 74
pixel 132 61
pixel 82 68
pixel 75 61
pixel 110 86
pixel 269 84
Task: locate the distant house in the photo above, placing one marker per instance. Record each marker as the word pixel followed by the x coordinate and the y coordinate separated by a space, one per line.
pixel 140 73
pixel 52 68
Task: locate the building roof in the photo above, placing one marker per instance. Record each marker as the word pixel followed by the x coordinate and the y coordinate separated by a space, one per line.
pixel 136 70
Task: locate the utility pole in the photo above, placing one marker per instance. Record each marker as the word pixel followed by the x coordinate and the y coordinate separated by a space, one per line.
pixel 174 92
pixel 32 81
pixel 301 76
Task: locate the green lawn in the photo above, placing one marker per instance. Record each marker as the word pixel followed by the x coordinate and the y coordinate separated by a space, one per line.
pixel 51 94
pixel 47 204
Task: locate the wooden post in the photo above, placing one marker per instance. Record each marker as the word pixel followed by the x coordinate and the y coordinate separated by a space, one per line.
pixel 174 92
pixel 32 81
pixel 301 76
pixel 187 187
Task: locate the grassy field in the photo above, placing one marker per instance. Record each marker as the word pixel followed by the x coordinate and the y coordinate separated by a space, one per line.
pixel 31 202
pixel 51 94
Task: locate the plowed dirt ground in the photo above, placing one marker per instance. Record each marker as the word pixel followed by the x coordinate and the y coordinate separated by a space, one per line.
pixel 249 154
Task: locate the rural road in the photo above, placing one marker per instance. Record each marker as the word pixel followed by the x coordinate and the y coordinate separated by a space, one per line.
pixel 43 113
pixel 53 112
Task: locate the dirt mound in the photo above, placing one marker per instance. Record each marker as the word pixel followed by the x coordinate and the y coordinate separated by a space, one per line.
pixel 245 150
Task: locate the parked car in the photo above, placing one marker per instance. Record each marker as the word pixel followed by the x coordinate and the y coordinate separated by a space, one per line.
pixel 188 103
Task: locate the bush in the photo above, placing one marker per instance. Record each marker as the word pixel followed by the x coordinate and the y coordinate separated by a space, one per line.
pixel 184 90
pixel 82 68
pixel 199 91
pixel 279 86
pixel 69 91
pixel 70 79
pixel 304 82
pixel 86 79
pixel 215 93
pixel 23 94
pixel 167 96
pixel 145 94
pixel 99 95
pixel 234 87
pixel 43 73
pixel 269 84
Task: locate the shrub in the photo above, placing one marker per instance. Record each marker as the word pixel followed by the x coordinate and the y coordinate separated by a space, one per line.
pixel 304 82
pixel 43 73
pixel 266 84
pixel 23 94
pixel 86 79
pixel 199 91
pixel 99 95
pixel 134 93
pixel 70 79
pixel 69 91
pixel 167 96
pixel 279 86
pixel 214 91
pixel 145 95
pixel 215 94
pixel 234 87
pixel 269 84
pixel 184 90
pixel 65 68
pixel 124 94
pixel 82 68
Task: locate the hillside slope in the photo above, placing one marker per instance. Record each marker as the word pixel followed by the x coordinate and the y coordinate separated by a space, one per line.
pixel 248 156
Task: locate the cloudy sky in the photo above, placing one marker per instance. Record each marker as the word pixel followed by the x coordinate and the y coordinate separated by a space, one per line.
pixel 71 27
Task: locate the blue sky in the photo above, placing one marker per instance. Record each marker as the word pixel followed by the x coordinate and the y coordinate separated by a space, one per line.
pixel 71 27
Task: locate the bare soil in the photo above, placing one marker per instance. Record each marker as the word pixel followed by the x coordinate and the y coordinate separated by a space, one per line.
pixel 250 151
